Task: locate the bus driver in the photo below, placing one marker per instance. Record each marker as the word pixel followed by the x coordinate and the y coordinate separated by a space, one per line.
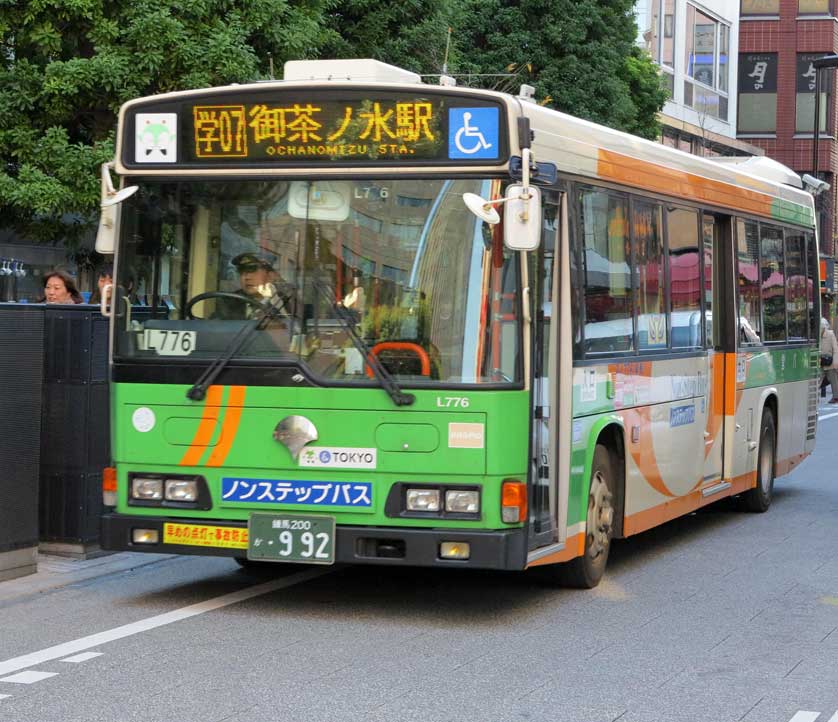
pixel 258 281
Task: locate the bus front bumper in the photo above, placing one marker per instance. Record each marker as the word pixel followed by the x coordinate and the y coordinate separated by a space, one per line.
pixel 398 546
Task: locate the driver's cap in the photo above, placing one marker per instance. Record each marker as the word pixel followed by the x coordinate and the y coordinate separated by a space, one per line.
pixel 251 262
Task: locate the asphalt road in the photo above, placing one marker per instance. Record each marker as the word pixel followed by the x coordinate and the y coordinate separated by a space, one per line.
pixel 717 616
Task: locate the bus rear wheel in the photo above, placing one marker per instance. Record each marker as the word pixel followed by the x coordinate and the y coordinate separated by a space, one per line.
pixel 759 498
pixel 585 572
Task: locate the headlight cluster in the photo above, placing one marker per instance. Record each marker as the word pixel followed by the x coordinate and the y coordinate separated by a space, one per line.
pixel 442 500
pixel 150 490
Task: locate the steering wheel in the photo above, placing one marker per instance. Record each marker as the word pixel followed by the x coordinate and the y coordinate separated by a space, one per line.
pixel 219 294
pixel 402 346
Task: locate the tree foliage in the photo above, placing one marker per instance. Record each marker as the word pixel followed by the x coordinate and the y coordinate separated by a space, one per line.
pixel 579 54
pixel 67 65
pixel 410 34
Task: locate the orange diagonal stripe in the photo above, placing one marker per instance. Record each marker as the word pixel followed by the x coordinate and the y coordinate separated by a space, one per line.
pixel 235 404
pixel 203 435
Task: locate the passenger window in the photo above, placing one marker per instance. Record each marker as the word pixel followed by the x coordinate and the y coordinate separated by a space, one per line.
pixel 651 276
pixel 608 292
pixel 709 231
pixel 796 294
pixel 813 285
pixel 748 280
pixel 773 278
pixel 685 277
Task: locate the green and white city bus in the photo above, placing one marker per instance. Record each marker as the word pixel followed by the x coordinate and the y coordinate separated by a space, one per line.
pixel 360 318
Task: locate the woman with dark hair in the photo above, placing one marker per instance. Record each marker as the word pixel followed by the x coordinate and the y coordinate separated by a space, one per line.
pixel 104 278
pixel 60 287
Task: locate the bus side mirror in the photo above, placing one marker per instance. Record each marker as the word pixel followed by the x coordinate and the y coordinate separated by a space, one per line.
pixel 111 198
pixel 522 218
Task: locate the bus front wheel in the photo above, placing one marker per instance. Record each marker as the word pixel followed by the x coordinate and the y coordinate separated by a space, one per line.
pixel 585 572
pixel 759 498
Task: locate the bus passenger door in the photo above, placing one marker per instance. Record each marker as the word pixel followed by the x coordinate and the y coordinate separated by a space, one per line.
pixel 550 323
pixel 716 236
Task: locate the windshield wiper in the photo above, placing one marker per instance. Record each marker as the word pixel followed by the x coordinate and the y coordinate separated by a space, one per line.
pixel 272 309
pixel 388 383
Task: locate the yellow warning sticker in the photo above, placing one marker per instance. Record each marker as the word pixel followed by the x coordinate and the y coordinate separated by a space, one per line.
pixel 199 535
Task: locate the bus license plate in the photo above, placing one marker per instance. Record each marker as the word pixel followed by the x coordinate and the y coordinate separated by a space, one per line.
pixel 291 538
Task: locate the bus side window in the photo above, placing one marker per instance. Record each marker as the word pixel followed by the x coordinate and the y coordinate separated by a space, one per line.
pixel 772 276
pixel 747 256
pixel 710 287
pixel 650 269
pixel 685 275
pixel 607 285
pixel 813 285
pixel 796 298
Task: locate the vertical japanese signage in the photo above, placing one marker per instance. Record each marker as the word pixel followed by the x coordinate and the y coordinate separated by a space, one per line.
pixel 757 93
pixel 758 73
pixel 805 96
pixel 806 74
pixel 351 127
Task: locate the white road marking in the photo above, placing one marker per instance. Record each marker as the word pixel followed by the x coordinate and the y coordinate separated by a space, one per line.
pixel 83 657
pixel 4 696
pixel 29 677
pixel 827 416
pixel 834 718
pixel 143 625
pixel 804 716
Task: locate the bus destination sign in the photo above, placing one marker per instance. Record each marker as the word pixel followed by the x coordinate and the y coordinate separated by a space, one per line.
pixel 263 130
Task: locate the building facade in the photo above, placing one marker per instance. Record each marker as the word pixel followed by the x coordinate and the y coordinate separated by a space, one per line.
pixel 696 46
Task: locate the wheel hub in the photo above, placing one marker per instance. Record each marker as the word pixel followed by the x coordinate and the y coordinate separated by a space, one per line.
pixel 600 517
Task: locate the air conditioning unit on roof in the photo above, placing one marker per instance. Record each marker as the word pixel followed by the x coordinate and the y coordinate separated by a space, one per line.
pixel 357 70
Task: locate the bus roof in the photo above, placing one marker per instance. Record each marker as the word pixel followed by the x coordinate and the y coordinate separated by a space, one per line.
pixel 758 186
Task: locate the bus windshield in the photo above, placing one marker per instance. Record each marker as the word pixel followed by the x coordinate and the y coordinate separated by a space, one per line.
pixel 427 287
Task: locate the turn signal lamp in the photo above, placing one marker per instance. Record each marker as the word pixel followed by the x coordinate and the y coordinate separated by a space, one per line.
pixel 145 536
pixel 109 486
pixel 513 505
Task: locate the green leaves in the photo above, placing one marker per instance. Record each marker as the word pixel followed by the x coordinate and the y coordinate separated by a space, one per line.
pixel 578 53
pixel 66 66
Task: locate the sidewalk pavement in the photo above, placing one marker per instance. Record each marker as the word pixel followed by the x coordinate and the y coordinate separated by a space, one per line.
pixel 54 572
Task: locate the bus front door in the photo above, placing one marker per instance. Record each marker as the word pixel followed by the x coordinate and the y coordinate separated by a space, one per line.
pixel 716 231
pixel 548 278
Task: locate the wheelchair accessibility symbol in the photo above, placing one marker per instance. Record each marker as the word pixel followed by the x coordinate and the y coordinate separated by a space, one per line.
pixel 473 133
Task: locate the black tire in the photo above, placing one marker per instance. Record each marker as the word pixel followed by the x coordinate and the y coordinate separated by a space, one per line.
pixel 758 499
pixel 585 572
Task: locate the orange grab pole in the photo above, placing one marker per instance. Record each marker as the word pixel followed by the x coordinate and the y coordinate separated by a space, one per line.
pixel 402 346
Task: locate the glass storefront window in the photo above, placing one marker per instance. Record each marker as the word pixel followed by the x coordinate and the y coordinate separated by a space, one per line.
pixel 760 7
pixel 813 7
pixel 707 64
